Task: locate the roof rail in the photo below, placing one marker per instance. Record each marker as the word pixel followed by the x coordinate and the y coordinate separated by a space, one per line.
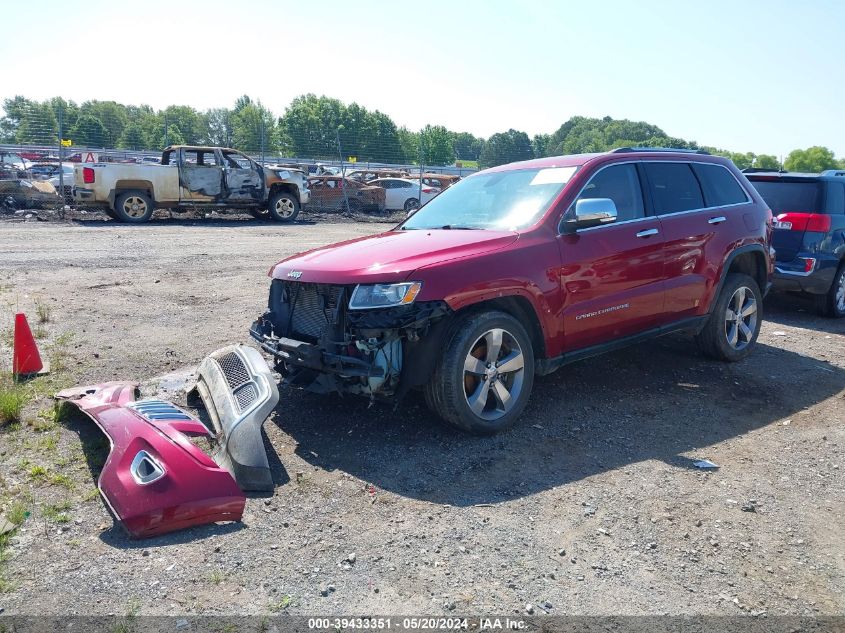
pixel 833 172
pixel 625 150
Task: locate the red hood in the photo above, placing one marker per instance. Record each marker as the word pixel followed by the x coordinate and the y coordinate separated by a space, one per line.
pixel 390 256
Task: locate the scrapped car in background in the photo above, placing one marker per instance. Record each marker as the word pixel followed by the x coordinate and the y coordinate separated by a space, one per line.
pixel 404 193
pixel 332 193
pixel 366 175
pixel 191 177
pixel 155 479
pixel 22 193
pixel 440 181
pixel 518 270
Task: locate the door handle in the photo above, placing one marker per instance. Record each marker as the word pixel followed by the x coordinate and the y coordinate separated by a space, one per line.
pixel 648 232
pixel 717 220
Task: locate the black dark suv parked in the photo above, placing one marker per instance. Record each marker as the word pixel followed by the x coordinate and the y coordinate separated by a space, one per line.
pixel 809 233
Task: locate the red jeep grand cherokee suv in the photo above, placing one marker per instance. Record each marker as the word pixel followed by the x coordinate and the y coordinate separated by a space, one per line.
pixel 520 269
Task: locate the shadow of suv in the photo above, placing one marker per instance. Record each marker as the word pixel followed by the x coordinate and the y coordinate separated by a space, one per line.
pixel 809 233
pixel 518 270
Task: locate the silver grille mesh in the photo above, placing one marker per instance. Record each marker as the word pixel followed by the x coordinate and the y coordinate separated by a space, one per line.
pixel 246 395
pixel 313 308
pixel 234 370
pixel 238 378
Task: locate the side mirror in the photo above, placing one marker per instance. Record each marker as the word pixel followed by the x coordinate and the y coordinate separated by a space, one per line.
pixel 590 212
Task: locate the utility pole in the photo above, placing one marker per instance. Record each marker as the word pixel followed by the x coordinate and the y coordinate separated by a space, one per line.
pixel 262 138
pixel 342 172
pixel 165 129
pixel 61 159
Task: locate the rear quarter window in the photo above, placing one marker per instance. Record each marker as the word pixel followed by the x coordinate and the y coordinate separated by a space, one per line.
pixel 783 196
pixel 720 186
pixel 835 198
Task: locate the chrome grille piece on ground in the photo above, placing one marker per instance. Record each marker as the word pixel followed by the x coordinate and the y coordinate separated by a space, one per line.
pixel 238 391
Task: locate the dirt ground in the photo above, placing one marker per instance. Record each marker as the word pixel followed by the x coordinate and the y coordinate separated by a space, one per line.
pixel 590 505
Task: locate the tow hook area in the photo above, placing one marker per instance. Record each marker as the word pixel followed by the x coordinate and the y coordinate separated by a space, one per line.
pixel 155 480
pixel 238 391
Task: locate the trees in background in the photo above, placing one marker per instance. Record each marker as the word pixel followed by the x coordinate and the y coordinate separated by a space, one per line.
pixel 812 159
pixel 506 147
pixel 312 126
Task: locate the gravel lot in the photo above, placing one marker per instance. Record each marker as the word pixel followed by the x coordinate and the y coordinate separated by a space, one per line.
pixel 590 506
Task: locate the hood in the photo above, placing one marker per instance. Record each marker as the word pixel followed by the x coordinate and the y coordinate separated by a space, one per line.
pixel 388 257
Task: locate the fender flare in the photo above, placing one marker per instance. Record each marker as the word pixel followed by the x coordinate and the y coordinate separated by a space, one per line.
pixel 726 265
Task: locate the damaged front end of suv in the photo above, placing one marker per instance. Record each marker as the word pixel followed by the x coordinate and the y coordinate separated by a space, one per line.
pixel 368 339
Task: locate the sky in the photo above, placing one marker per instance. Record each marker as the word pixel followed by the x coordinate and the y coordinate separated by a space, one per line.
pixel 761 75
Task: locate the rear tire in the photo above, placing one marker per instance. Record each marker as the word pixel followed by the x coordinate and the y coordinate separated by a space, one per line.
pixel 734 324
pixel 832 304
pixel 412 204
pixel 355 205
pixel 133 206
pixel 483 380
pixel 283 206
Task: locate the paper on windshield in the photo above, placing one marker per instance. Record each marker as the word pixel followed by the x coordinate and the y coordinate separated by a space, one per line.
pixel 553 176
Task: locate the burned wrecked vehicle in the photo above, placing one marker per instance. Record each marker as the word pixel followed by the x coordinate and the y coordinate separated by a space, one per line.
pixel 191 177
pixel 156 479
pixel 19 189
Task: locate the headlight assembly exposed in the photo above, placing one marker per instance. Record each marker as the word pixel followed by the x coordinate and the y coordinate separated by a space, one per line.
pixel 366 297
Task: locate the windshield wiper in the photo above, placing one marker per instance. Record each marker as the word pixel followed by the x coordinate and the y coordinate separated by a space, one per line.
pixel 456 227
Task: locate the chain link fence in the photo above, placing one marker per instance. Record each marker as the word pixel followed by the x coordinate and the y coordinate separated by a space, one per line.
pixel 41 140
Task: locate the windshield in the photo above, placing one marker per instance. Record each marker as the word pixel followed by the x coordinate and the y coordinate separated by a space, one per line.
pixel 505 200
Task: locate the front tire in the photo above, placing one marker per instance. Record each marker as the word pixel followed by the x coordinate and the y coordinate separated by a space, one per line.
pixel 134 207
pixel 734 324
pixel 283 206
pixel 832 304
pixel 483 380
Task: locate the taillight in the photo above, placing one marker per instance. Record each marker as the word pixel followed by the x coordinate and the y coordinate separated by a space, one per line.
pixel 87 175
pixel 803 222
pixel 428 190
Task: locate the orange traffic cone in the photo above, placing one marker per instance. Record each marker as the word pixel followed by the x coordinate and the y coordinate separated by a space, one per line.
pixel 26 360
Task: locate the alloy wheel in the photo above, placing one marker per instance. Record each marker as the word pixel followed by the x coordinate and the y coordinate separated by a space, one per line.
pixel 284 207
pixel 494 372
pixel 741 318
pixel 135 207
pixel 839 295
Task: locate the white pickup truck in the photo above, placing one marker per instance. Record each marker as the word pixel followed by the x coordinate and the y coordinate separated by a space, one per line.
pixel 191 177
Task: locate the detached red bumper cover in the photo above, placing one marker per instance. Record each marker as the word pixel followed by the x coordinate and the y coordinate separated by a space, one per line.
pixel 155 480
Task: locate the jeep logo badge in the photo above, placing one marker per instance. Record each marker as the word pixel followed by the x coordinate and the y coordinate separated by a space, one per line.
pixel 294 274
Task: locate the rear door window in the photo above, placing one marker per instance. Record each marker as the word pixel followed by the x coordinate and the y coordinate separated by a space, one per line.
pixel 720 186
pixel 782 195
pixel 674 187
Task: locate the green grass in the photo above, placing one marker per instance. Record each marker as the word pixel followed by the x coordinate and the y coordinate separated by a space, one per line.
pixel 282 604
pixel 17 512
pixel 92 494
pixel 13 398
pixel 57 512
pixel 217 576
pixel 38 473
pixel 42 311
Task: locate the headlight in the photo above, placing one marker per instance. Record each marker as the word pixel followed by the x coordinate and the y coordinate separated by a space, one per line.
pixel 384 295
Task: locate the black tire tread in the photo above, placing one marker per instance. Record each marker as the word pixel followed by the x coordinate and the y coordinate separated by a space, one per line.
pixel 710 339
pixel 441 393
